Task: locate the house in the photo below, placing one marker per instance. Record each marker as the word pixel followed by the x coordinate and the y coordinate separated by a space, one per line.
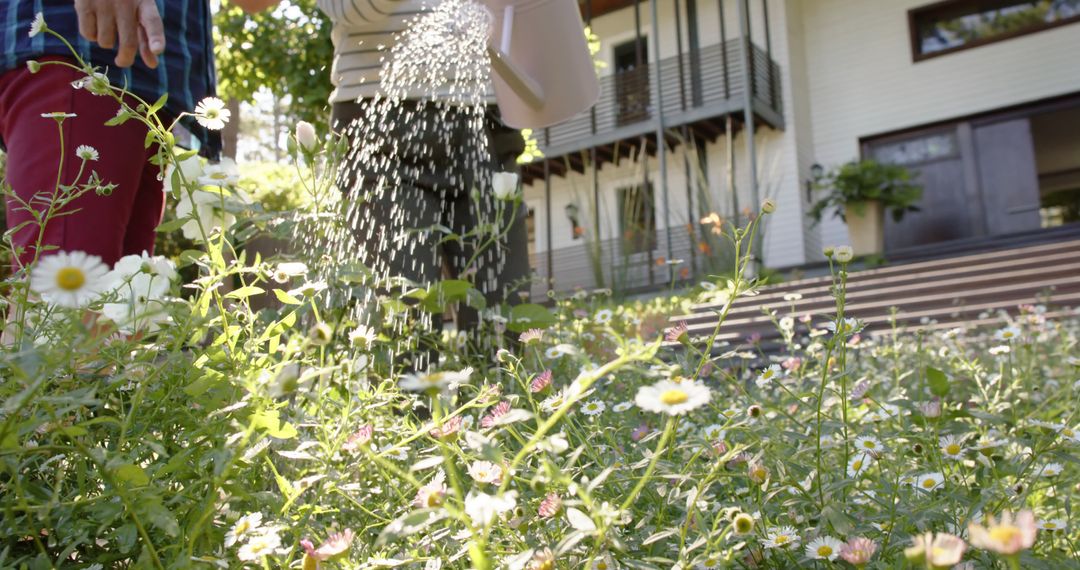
pixel 980 98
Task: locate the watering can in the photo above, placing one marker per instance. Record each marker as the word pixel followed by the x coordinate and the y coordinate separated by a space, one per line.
pixel 544 73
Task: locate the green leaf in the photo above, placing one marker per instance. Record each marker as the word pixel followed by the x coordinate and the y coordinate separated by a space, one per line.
pixel 171 225
pixel 286 298
pixel 530 316
pixel 158 104
pixel 938 381
pixel 245 292
pixel 132 474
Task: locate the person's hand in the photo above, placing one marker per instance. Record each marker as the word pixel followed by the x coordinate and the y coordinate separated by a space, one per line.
pixel 136 23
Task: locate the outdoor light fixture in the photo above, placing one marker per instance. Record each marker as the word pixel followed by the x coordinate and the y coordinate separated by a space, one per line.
pixel 816 172
pixel 572 215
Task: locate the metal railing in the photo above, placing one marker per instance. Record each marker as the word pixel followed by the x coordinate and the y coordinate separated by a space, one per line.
pixel 711 77
pixel 611 264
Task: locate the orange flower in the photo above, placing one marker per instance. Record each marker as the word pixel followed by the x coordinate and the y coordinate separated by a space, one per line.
pixel 661 260
pixel 704 247
pixel 684 273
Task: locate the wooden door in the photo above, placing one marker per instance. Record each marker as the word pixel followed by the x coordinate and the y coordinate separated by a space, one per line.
pixel 1008 176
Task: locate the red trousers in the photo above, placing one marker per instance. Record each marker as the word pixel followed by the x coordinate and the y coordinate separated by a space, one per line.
pixel 112 226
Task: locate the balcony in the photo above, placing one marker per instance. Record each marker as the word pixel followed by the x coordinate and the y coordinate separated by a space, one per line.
pixel 698 89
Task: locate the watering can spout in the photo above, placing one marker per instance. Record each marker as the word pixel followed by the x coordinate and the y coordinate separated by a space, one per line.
pixel 544 72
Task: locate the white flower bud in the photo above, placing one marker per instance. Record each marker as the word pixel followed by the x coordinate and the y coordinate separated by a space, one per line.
pixel 305 135
pixel 844 253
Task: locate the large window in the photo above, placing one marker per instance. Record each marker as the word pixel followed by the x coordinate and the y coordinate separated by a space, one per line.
pixel 954 25
pixel 637 219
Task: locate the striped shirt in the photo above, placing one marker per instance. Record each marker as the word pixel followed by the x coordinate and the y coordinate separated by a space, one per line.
pixel 185 71
pixel 364 33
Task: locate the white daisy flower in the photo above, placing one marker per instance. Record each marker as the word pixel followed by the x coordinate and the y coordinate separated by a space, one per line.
pixel 362 336
pixel 161 269
pixel 486 472
pixel 868 444
pixel 593 407
pixel 783 537
pixel 849 325
pixel 1052 525
pixel 141 304
pixel 287 270
pixel 265 543
pixel 952 447
pixel 768 375
pixel 87 153
pixel 929 481
pixel 603 316
pixel 1051 470
pixel 58 115
pixel 202 207
pixel 859 463
pixel 1007 334
pixel 483 508
pixel 622 407
pixel 441 380
pixel 212 114
pixel 38 25
pixel 396 453
pixel 244 527
pixel 999 350
pixel 673 398
pixel 69 279
pixel 709 563
pixel 824 548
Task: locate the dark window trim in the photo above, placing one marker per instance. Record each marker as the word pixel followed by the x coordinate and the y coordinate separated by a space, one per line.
pixel 1049 104
pixel 957 6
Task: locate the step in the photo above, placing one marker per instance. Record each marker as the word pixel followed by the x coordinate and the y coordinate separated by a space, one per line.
pixel 820 298
pixel 1039 257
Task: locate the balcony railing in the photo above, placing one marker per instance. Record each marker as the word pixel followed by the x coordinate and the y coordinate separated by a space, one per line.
pixel 694 86
pixel 610 264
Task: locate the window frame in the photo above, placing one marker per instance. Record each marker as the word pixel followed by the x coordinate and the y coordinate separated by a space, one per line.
pixel 958 7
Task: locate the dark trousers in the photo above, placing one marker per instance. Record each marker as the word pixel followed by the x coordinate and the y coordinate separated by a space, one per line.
pixel 423 172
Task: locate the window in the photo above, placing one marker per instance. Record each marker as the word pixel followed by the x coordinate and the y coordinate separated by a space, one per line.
pixel 917 150
pixel 637 219
pixel 632 95
pixel 954 25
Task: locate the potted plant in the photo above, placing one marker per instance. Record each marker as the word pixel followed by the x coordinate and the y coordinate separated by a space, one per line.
pixel 861 192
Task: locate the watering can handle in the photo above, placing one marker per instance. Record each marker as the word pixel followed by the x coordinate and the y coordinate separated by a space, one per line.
pixel 526 87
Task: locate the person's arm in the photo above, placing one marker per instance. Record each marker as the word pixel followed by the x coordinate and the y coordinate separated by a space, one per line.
pixel 255 6
pixel 358 12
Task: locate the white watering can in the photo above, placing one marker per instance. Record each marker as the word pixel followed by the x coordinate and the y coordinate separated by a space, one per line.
pixel 544 73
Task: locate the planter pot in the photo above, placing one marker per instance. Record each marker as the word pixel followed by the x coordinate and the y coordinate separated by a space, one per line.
pixel 866 227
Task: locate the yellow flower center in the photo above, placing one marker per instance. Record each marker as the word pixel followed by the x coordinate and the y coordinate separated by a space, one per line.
pixel 242 527
pixel 710 563
pixel 601 565
pixel 782 539
pixel 743 525
pixel 929 483
pixel 1068 432
pixel 869 445
pixel 1049 525
pixel 857 465
pixel 1004 534
pixel 70 278
pixel 824 551
pixel 952 448
pixel 546 565
pixel 672 397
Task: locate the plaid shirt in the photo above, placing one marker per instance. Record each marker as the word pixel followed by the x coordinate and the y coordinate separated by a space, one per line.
pixel 185 71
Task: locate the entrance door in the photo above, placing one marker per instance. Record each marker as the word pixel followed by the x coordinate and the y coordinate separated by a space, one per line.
pixel 1008 177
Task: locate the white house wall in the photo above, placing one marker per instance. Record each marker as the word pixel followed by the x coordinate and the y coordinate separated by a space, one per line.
pixel 862 80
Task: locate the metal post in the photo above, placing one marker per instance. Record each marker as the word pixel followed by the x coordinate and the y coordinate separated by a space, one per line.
pixel 550 221
pixel 661 144
pixel 678 55
pixel 748 116
pixel 723 51
pixel 691 183
pixel 694 47
pixel 748 102
pixel 731 168
pixel 768 53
